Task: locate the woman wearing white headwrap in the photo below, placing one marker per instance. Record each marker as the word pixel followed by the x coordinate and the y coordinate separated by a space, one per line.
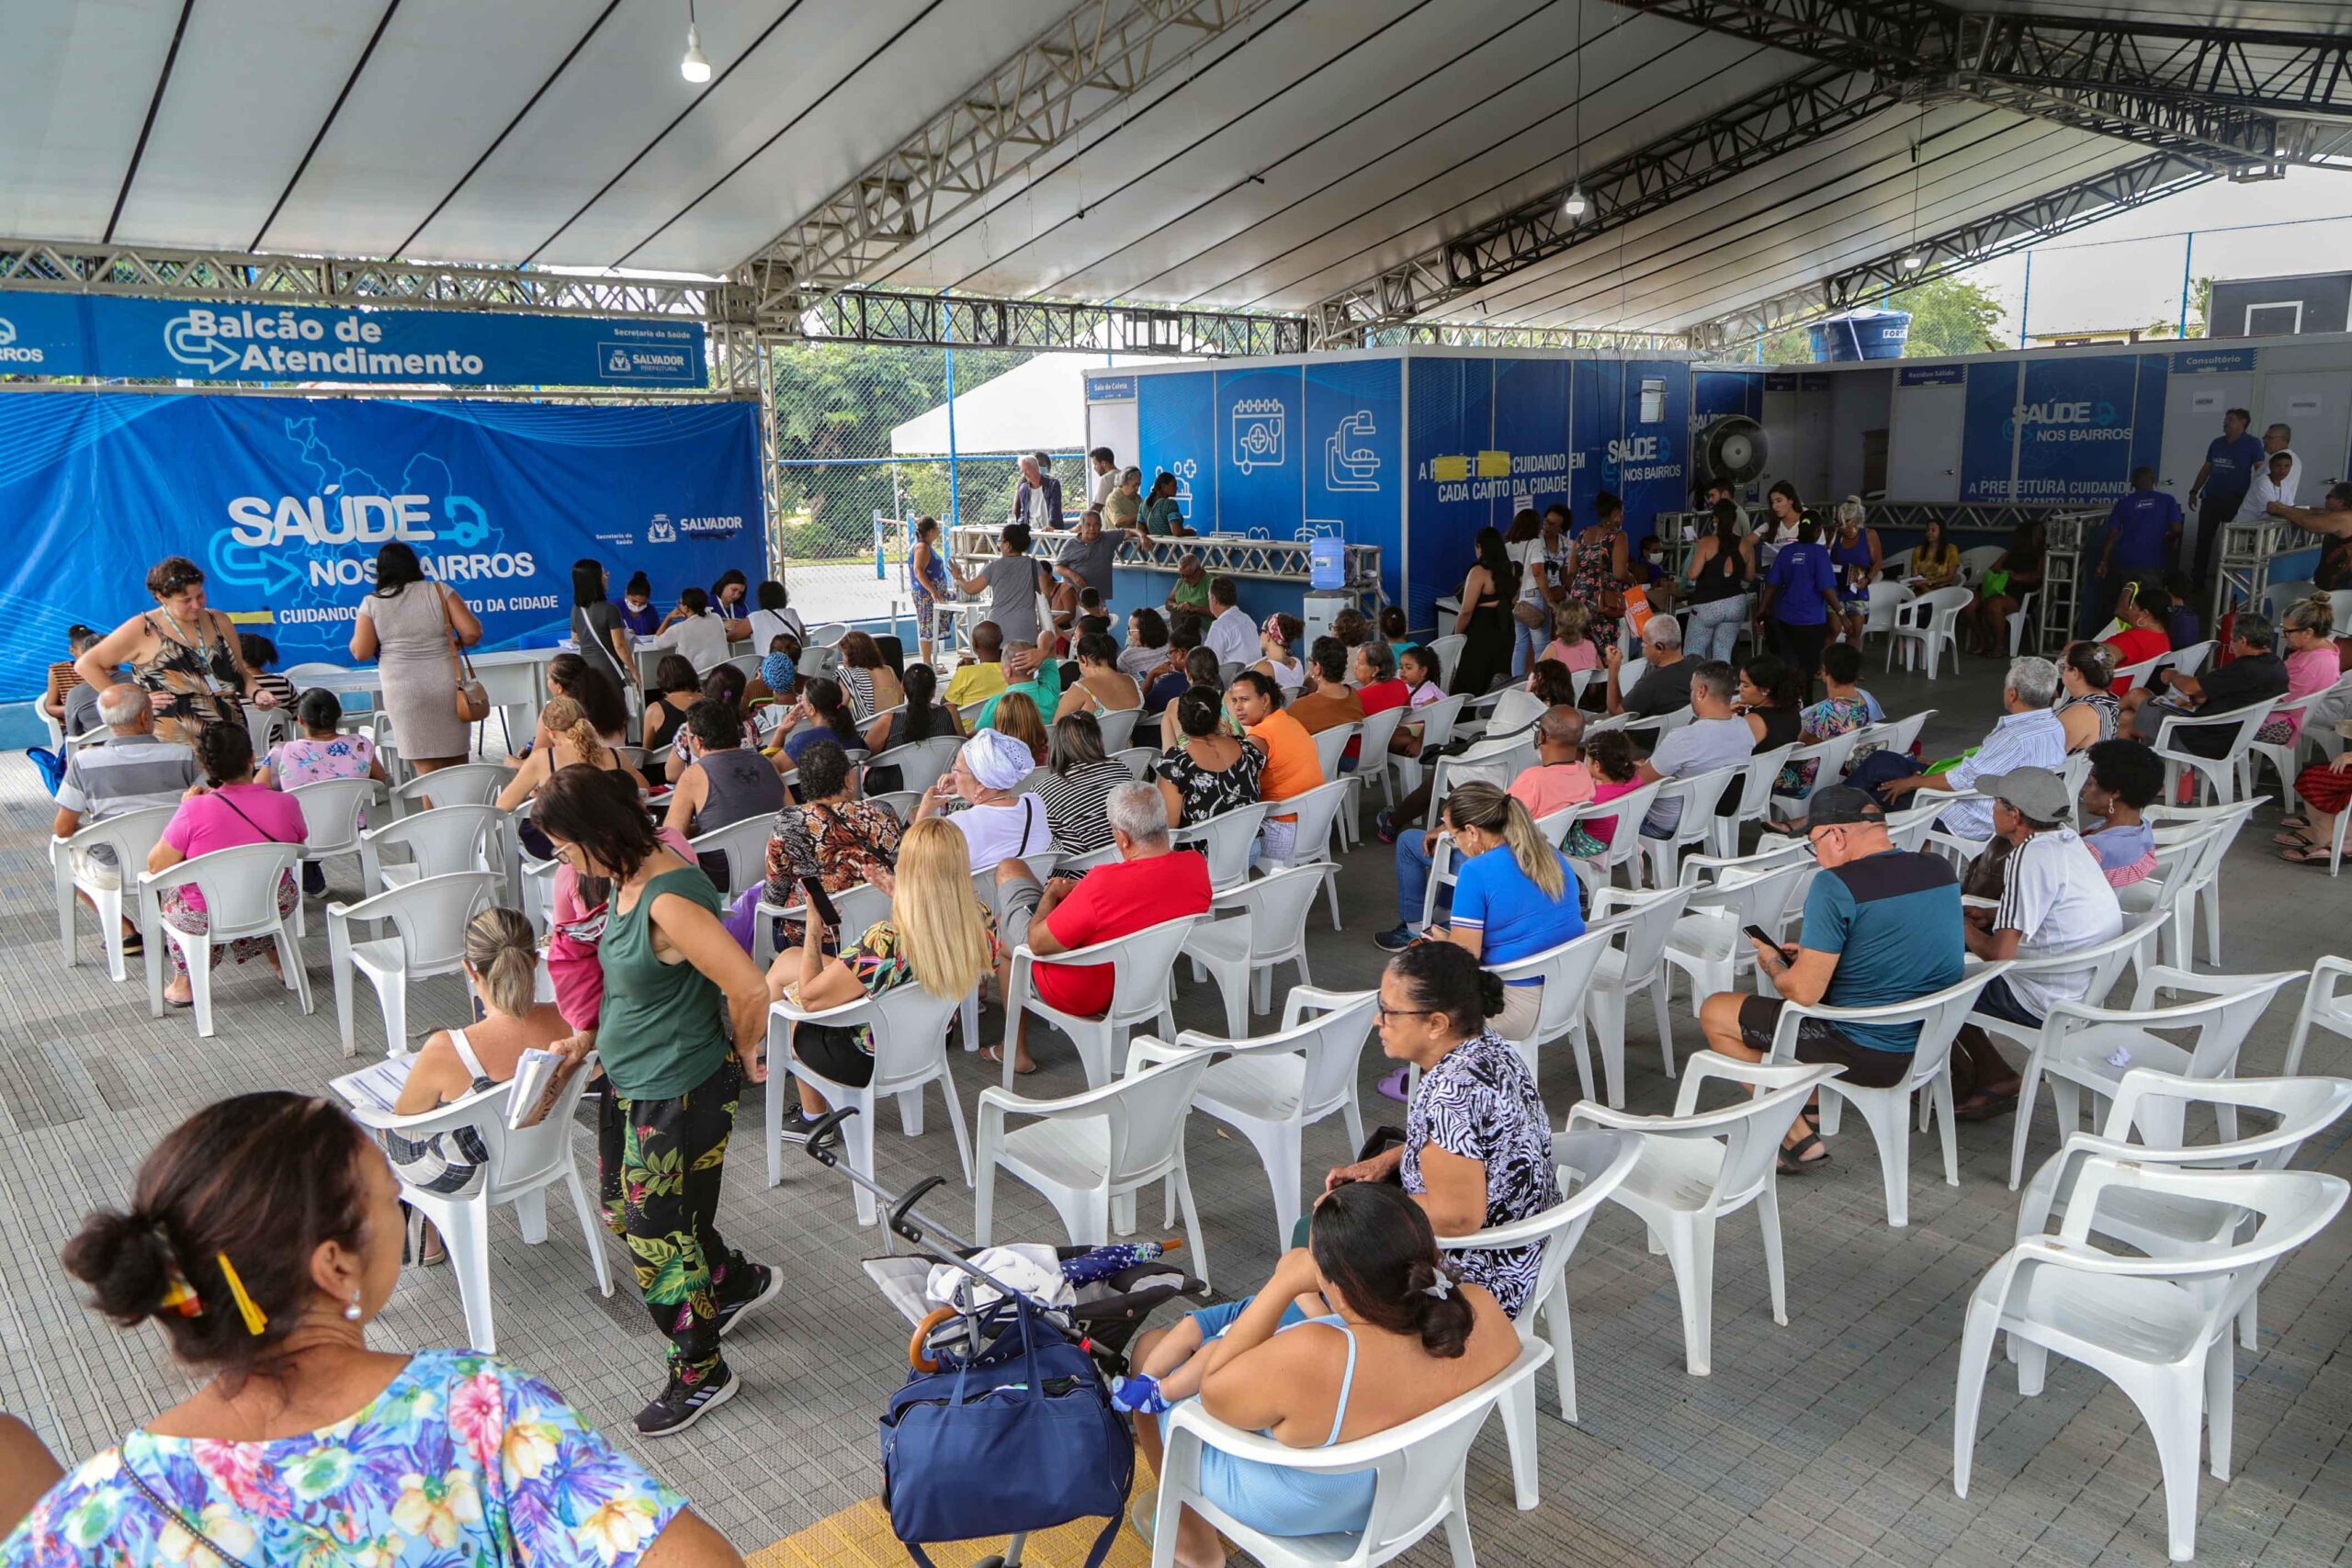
pixel 980 797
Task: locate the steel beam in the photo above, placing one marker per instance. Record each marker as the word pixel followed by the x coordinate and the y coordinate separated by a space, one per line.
pixel 1089 63
pixel 1786 115
pixel 233 276
pixel 873 316
pixel 2213 93
pixel 1478 334
pixel 1996 234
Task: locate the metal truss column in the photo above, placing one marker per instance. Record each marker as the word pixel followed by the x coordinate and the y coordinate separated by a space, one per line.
pixel 2058 607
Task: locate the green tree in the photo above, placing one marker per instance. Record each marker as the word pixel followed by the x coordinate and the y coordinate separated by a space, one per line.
pixel 2200 298
pixel 1949 315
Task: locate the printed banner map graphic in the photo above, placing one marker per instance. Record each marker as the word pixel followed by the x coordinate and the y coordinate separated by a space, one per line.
pixel 106 335
pixel 284 501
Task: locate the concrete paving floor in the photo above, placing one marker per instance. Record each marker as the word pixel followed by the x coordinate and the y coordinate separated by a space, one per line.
pixel 1827 1441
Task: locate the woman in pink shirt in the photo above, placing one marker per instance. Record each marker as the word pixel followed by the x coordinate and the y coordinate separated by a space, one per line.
pixel 2312 663
pixel 225 811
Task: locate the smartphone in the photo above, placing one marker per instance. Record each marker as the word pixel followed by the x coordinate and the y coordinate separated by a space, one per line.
pixel 821 902
pixel 1760 934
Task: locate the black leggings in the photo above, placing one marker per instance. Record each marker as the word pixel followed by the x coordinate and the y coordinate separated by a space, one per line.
pixel 1802 646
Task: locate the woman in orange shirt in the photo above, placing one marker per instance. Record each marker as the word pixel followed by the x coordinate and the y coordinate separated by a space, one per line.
pixel 1293 766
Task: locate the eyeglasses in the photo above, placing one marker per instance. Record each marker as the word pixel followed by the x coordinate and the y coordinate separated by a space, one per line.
pixel 1385 1013
pixel 1814 844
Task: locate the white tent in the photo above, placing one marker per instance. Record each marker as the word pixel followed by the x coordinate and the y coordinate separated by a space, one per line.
pixel 1039 405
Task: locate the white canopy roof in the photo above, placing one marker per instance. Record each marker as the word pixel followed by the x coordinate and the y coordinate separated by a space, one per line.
pixel 1039 405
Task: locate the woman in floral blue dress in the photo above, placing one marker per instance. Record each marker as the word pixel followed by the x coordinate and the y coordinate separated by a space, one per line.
pixel 264 1234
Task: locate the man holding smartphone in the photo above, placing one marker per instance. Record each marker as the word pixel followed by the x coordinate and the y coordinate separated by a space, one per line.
pixel 1881 925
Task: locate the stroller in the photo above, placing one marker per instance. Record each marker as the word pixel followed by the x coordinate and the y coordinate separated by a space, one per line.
pixel 1004 1425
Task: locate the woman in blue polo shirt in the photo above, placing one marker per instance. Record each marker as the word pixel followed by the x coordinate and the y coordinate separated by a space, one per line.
pixel 1800 596
pixel 1514 896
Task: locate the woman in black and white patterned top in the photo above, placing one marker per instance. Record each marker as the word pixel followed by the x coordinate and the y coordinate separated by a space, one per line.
pixel 1477 1149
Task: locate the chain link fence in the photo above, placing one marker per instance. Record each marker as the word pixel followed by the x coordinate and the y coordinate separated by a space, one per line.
pixel 832 410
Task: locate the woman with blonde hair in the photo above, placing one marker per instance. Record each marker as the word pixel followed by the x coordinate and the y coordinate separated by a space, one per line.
pixel 1017 715
pixel 572 738
pixel 939 936
pixel 1514 895
pixel 1854 556
pixel 501 966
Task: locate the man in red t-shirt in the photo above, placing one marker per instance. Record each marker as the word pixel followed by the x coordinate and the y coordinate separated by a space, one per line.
pixel 1150 882
pixel 1374 671
pixel 2142 636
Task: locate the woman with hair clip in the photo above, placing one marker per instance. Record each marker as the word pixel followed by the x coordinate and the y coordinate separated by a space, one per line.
pixel 227 810
pixel 501 968
pixel 1514 894
pixel 677 985
pixel 263 1238
pixel 596 625
pixel 407 625
pixel 1363 1329
pixel 2089 710
pixel 1278 642
pixel 1102 686
pixel 1205 772
pixel 571 738
pixel 939 936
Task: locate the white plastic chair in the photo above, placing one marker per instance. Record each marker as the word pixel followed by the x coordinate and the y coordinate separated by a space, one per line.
pixel 1138 761
pixel 1437 721
pixel 445 840
pixel 524 1164
pixel 1930 624
pixel 1699 794
pixel 1264 928
pixel 742 846
pixel 1419 1479
pixel 1763 769
pixel 1639 964
pixel 1089 1153
pixel 902 804
pixel 1117 726
pixel 2190 659
pixel 2324 1005
pixel 2103 961
pixel 1317 811
pixel 1272 1087
pixel 1372 763
pixel 2193 883
pixel 2152 1103
pixel 2284 755
pixel 131 835
pixel 1625 848
pixel 1976 560
pixel 331 813
pixel 2220 773
pixel 1611 1157
pixel 1496 761
pixel 1225 840
pixel 464 783
pixel 2157 1327
pixel 1828 758
pixel 1709 943
pixel 859 906
pixel 1143 972
pixel 428 937
pixel 1887 1111
pixel 2021 618
pixel 1698 1166
pixel 239 890
pixel 1331 747
pixel 909 1026
pixel 2079 1044
pixel 1565 974
pixel 1448 650
pixel 921 763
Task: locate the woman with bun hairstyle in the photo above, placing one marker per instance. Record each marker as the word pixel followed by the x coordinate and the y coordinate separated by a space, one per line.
pixel 1477 1149
pixel 262 1237
pixel 1363 1329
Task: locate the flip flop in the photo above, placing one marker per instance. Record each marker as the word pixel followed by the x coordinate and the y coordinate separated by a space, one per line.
pixel 2292 840
pixel 1984 1107
pixel 1392 1084
pixel 2307 854
pixel 994 1057
pixel 2297 821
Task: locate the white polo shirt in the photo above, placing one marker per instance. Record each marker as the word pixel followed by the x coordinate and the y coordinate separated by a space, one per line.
pixel 2057 901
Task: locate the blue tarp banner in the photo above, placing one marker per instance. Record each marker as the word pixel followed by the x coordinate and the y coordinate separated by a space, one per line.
pixel 284 501
pixel 175 340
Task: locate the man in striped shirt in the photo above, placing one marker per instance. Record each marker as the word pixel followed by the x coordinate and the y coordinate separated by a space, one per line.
pixel 134 770
pixel 2028 736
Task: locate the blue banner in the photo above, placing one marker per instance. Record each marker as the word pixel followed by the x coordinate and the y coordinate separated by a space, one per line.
pixel 1932 376
pixel 1531 424
pixel 150 340
pixel 1598 385
pixel 1714 393
pixel 2210 361
pixel 1260 482
pixel 284 502
pixel 2073 429
pixel 1176 432
pixel 1353 445
pixel 1110 388
pixel 1988 445
pixel 1456 475
pixel 1648 453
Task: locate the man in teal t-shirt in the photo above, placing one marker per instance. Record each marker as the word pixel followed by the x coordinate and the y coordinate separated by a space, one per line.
pixel 1882 926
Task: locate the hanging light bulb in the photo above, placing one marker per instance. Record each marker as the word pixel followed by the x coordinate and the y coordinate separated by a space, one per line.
pixel 696 66
pixel 1912 260
pixel 1577 204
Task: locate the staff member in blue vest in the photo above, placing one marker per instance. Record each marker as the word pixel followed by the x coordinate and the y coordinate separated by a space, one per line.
pixel 2221 483
pixel 1800 598
pixel 2142 529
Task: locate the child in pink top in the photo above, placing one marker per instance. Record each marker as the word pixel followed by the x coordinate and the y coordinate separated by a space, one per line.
pixel 323 751
pixel 1569 644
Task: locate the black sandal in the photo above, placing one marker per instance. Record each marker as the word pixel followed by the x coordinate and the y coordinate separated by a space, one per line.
pixel 1793 1160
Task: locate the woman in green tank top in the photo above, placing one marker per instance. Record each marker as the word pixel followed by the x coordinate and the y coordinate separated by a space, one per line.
pixel 684 1023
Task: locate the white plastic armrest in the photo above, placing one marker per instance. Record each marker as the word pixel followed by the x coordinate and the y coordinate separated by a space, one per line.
pixel 1711 1065
pixel 1305 999
pixel 1597 1114
pixel 464 1112
pixel 797 1014
pixel 1004 1102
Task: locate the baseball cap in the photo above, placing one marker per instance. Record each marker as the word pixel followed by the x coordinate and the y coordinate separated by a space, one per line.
pixel 1839 804
pixel 2035 792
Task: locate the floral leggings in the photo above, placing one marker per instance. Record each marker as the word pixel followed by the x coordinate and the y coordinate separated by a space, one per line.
pixel 182 915
pixel 659 1165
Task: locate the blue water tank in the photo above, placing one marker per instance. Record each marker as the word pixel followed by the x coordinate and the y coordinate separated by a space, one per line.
pixel 1860 335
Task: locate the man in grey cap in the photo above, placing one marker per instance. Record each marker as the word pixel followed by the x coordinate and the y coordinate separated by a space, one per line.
pixel 2055 900
pixel 1882 926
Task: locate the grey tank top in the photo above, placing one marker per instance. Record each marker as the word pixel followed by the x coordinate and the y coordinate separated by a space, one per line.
pixel 742 785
